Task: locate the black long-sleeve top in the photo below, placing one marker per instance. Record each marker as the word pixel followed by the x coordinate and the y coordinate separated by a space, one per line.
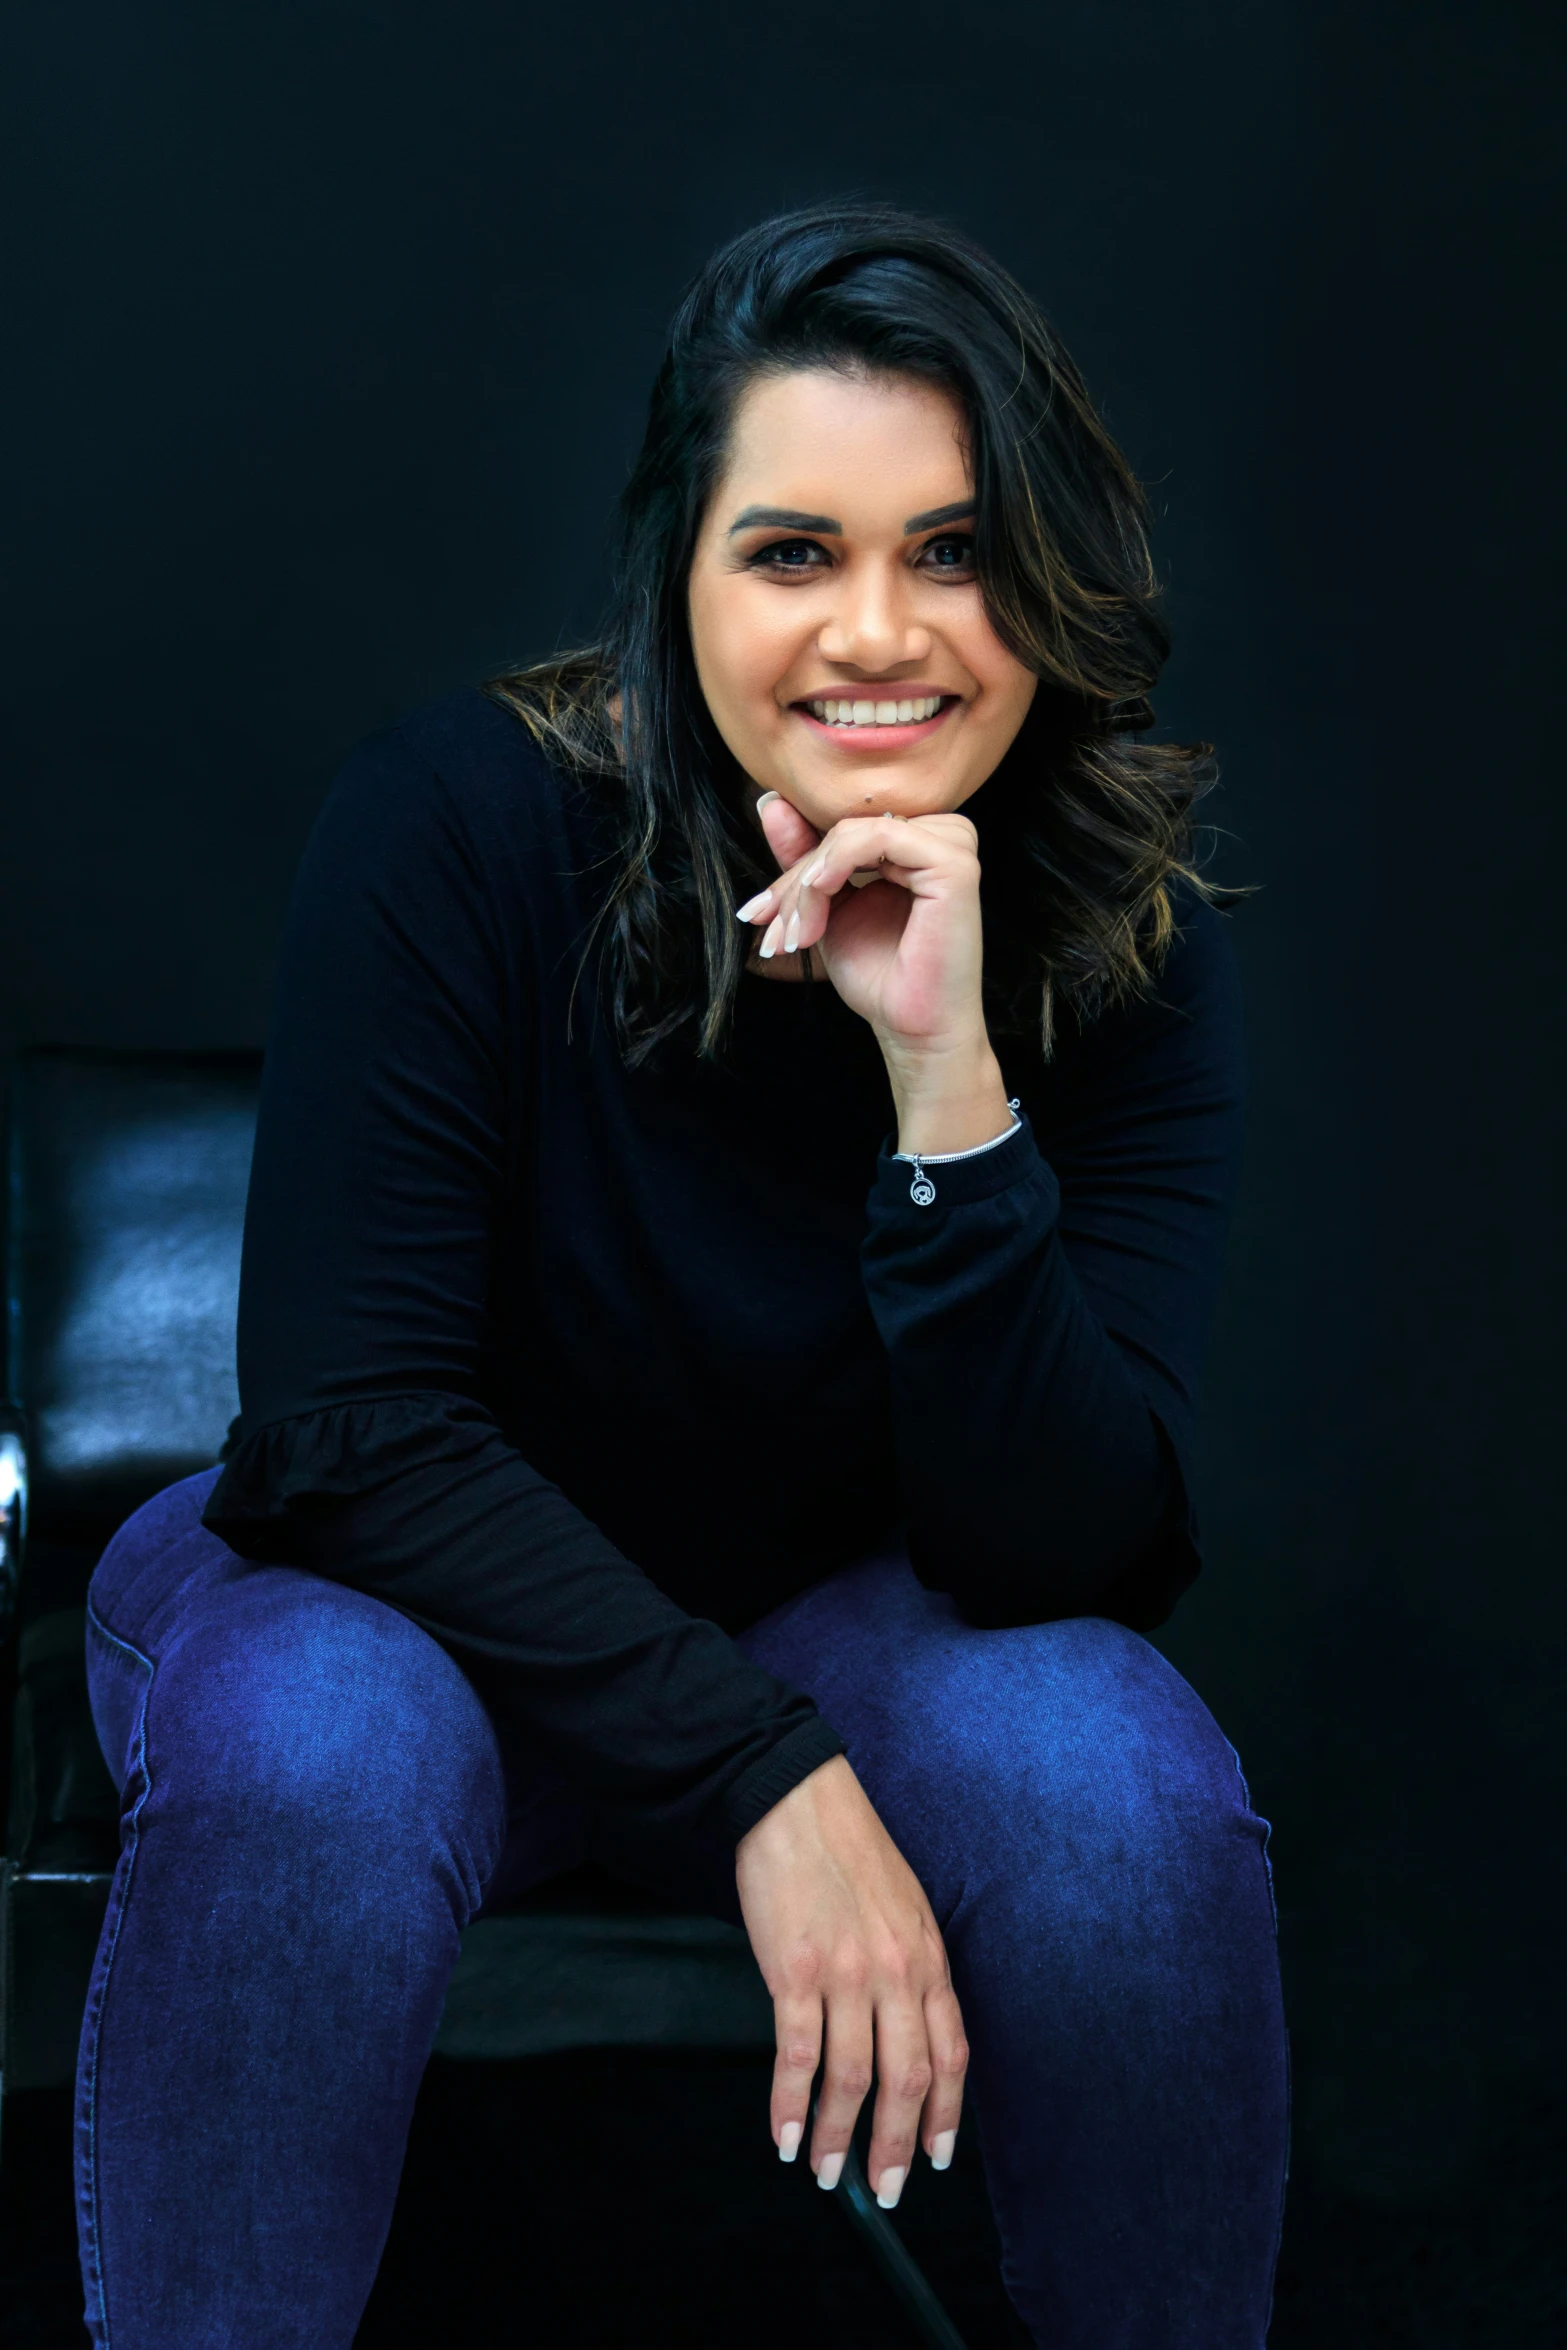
pixel 584 1368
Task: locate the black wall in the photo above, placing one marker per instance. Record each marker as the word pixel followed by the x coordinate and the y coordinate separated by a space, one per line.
pixel 329 328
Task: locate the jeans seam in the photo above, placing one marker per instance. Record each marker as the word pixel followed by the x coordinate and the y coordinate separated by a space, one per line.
pixel 131 1831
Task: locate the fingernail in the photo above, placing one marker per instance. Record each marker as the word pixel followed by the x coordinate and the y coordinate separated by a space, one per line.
pixel 891 2187
pixel 789 2140
pixel 770 938
pixel 762 802
pixel 752 906
pixel 792 934
pixel 941 2149
pixel 809 880
pixel 829 2170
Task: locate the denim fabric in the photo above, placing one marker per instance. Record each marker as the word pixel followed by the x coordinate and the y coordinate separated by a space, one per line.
pixel 315 1804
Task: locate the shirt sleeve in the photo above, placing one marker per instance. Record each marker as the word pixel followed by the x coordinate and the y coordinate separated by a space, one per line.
pixel 384 1163
pixel 1045 1315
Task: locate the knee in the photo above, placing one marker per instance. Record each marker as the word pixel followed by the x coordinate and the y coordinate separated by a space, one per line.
pixel 296 1715
pixel 1087 1754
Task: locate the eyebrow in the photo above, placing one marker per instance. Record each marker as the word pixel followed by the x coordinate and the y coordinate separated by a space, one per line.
pixel 789 518
pixel 959 512
pixel 784 518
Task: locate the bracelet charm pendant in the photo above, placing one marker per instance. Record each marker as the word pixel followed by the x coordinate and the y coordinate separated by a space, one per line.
pixel 922 1191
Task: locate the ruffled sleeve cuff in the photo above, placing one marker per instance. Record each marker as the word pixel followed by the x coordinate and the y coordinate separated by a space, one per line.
pixel 280 1476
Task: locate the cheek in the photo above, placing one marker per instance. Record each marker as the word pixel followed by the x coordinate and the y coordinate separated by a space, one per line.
pixel 1008 687
pixel 738 656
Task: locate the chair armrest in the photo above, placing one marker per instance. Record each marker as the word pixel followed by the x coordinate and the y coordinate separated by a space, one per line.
pixel 13 1511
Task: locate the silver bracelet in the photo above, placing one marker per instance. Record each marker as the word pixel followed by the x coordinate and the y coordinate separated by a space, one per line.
pixel 922 1191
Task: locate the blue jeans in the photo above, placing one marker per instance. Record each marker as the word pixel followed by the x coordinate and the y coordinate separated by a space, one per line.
pixel 315 1803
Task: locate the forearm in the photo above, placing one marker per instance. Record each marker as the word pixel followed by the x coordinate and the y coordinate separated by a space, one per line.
pixel 1031 1470
pixel 640 1705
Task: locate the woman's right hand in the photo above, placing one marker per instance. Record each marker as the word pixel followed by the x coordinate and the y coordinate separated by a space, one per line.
pixel 854 1960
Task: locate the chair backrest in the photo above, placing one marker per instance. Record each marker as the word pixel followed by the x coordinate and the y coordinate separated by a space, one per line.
pixel 128 1175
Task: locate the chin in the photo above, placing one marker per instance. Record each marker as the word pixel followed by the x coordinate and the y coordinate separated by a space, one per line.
pixel 875 795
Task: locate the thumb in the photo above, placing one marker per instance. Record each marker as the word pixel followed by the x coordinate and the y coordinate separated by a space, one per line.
pixel 789 834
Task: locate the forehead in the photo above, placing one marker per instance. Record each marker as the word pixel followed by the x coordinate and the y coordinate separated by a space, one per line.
pixel 828 442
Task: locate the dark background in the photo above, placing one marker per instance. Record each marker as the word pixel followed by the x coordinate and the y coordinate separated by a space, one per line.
pixel 329 330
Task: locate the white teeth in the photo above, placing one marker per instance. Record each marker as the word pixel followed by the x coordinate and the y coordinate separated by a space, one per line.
pixel 876 713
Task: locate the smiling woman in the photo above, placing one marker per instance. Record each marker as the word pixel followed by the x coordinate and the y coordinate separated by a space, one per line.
pixel 742 1435
pixel 985 513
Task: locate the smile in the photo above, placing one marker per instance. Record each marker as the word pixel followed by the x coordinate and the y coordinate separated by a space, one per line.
pixel 875 713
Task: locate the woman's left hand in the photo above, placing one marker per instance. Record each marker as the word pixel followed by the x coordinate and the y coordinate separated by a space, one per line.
pixel 891 906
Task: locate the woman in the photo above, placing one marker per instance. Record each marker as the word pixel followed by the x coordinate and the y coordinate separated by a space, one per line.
pixel 611 1477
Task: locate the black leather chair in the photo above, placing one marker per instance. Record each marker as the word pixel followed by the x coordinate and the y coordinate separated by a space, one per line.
pixel 127 1193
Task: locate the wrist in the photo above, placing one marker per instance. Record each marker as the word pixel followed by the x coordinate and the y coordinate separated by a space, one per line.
pixel 796 1817
pixel 947 1098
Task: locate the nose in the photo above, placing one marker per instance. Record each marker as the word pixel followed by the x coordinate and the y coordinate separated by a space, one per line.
pixel 870 627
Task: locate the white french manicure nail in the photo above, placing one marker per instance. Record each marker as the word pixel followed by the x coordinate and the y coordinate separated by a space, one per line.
pixel 890 2187
pixel 809 880
pixel 770 938
pixel 829 2170
pixel 941 2149
pixel 752 906
pixel 762 802
pixel 792 934
pixel 789 2140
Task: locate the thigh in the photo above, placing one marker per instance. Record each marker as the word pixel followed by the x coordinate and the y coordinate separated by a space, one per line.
pixel 294 1704
pixel 1069 1750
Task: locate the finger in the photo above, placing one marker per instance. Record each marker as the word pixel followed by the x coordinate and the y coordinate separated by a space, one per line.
pixel 790 835
pixel 797 2023
pixel 904 2076
pixel 891 844
pixel 949 2071
pixel 846 2076
pixel 795 915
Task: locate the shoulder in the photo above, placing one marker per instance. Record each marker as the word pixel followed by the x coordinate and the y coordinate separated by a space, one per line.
pixel 459 762
pixel 450 824
pixel 1185 1032
pixel 1200 977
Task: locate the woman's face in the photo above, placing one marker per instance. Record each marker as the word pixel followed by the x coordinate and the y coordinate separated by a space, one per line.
pixel 838 628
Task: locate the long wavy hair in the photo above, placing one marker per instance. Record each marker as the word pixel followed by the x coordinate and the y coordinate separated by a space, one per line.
pixel 1084 827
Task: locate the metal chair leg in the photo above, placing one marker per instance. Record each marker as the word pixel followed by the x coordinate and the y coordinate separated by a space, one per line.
pixel 893 2258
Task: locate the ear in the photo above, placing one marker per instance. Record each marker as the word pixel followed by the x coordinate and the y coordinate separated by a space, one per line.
pixel 789 835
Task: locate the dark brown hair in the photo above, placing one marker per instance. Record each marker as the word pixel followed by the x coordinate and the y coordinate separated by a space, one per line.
pixel 1083 827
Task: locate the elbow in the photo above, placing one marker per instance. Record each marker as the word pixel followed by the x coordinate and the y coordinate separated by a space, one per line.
pixel 1130 1565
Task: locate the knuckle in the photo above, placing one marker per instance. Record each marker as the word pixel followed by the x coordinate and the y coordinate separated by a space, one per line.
pixel 894 1963
pixel 802 1969
pixel 797 2056
pixel 852 1968
pixel 851 2079
pixel 952 2060
pixel 913 2083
